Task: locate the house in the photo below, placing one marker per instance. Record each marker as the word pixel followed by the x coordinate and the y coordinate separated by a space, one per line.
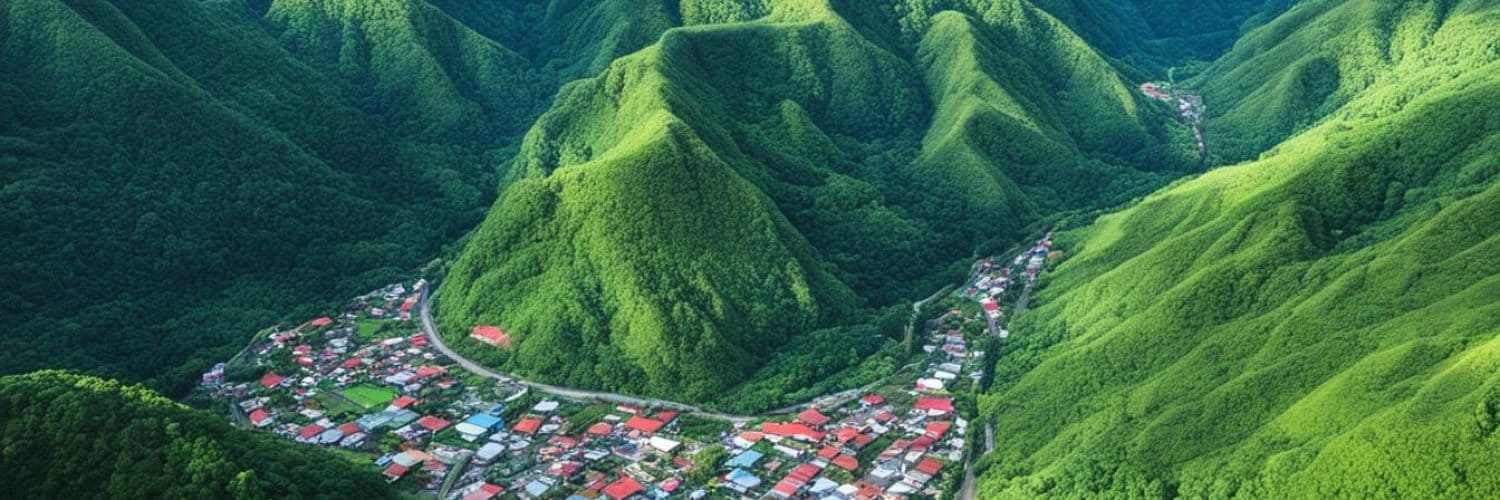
pixel 664 444
pixel 310 433
pixel 748 438
pixel 925 470
pixel 393 472
pixel 792 484
pixel 261 419
pixel 485 491
pixel 321 322
pixel 872 400
pixel 643 424
pixel 623 488
pixel 433 424
pixel 547 406
pixel 936 430
pixel 491 335
pixel 271 379
pixel 744 460
pixel 489 452
pixel 792 430
pixel 478 425
pixel 400 403
pixel 528 425
pixel 812 417
pixel 846 462
pixel 742 480
pixel 934 405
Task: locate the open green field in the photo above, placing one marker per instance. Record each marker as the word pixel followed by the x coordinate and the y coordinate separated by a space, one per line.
pixel 369 396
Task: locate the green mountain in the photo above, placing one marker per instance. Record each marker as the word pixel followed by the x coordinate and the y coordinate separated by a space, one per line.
pixel 671 223
pixel 64 435
pixel 1317 323
pixel 180 173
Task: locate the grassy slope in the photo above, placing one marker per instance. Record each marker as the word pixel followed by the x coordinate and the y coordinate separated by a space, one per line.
pixel 72 436
pixel 1317 323
pixel 672 221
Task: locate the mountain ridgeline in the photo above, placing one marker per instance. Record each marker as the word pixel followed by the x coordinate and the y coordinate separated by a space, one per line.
pixel 671 223
pixel 1318 323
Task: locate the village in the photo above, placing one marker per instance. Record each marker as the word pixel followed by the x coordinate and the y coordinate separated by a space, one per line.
pixel 369 384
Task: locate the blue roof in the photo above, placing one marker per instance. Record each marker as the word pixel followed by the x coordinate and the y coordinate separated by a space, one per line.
pixel 746 459
pixel 484 420
pixel 743 478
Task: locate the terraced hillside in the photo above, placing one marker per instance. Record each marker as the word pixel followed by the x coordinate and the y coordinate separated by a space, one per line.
pixel 1317 323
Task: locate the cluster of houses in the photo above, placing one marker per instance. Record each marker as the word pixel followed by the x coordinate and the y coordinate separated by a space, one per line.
pixel 366 381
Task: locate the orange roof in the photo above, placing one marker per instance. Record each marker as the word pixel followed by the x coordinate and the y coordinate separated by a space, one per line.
pixel 752 436
pixel 623 488
pixel 793 430
pixel 323 321
pixel 528 425
pixel 811 416
pixel 432 423
pixel 828 452
pixel 491 335
pixel 873 399
pixel 936 430
pixel 930 403
pixel 395 470
pixel 930 466
pixel 846 462
pixel 258 415
pixel 644 424
pixel 484 492
pixel 403 402
pixel 601 429
pixel 271 379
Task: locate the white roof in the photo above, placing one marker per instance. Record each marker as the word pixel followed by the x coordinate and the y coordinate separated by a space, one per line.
pixel 664 444
pixel 489 451
pixel 469 429
pixel 545 406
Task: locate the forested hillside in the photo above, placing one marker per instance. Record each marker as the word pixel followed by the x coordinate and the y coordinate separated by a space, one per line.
pixel 70 436
pixel 179 174
pixel 1319 323
pixel 672 222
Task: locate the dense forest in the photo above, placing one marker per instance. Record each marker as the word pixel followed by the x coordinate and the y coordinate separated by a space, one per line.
pixel 64 435
pixel 179 174
pixel 672 223
pixel 1319 323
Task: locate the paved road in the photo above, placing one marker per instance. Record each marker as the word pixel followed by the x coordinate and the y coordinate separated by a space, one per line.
pixel 436 340
pixel 971 484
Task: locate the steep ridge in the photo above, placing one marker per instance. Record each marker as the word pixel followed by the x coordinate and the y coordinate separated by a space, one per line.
pixel 1318 323
pixel 811 191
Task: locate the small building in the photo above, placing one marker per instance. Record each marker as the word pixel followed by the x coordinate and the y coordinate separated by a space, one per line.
pixel 491 335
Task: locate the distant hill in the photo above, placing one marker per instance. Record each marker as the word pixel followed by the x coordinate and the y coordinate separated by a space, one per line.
pixel 1317 323
pixel 64 435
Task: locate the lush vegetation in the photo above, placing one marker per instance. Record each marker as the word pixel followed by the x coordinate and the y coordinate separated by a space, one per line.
pixel 672 224
pixel 64 435
pixel 1319 323
pixel 178 174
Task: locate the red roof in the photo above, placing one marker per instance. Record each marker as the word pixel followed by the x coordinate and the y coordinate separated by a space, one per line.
pixel 258 415
pixel 811 416
pixel 271 379
pixel 395 470
pixel 403 402
pixel 409 303
pixel 433 424
pixel 873 399
pixel 828 452
pixel 936 430
pixel 349 428
pixel 930 403
pixel 528 425
pixel 323 321
pixel 428 371
pixel 644 424
pixel 484 492
pixel 885 416
pixel 349 364
pixel 563 442
pixel 623 488
pixel 601 429
pixel 844 434
pixel 491 335
pixel 418 340
pixel 752 436
pixel 666 416
pixel 311 431
pixel 302 349
pixel 990 305
pixel 793 430
pixel 305 361
pixel 930 466
pixel 846 462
